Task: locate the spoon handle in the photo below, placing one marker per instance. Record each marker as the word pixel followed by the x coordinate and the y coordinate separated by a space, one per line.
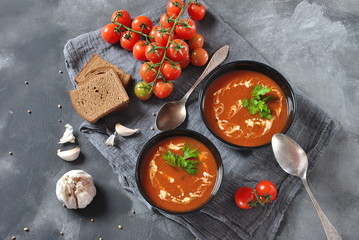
pixel 329 229
pixel 218 57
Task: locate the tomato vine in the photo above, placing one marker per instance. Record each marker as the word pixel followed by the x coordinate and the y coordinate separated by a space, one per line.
pixel 164 51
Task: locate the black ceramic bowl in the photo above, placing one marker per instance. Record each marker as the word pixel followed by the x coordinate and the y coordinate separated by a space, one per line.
pixel 256 67
pixel 171 133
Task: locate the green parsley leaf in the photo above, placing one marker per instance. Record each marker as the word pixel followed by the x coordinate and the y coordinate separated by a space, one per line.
pixel 253 109
pixel 267 98
pixel 187 161
pixel 245 102
pixel 258 103
pixel 259 90
pixel 189 153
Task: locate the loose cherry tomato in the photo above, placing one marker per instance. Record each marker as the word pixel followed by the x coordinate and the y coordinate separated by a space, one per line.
pixel 153 32
pixel 154 52
pixel 162 89
pixel 197 41
pixel 267 191
pixel 167 19
pixel 148 71
pixel 139 49
pixel 123 17
pixel 109 35
pixel 185 62
pixel 177 50
pixel 175 6
pixel 243 196
pixel 142 24
pixel 199 57
pixel 161 36
pixel 186 29
pixel 196 11
pixel 171 71
pixel 129 39
pixel 143 90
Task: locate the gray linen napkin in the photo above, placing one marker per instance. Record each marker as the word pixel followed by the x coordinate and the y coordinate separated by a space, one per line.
pixel 221 219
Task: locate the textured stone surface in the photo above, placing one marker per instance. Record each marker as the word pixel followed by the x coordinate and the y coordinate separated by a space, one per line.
pixel 314 44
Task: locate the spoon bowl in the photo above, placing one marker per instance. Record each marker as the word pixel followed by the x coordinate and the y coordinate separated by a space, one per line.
pixel 172 114
pixel 293 160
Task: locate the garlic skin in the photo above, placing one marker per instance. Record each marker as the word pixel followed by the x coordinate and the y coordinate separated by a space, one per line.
pixel 125 131
pixel 68 135
pixel 75 189
pixel 69 155
pixel 111 140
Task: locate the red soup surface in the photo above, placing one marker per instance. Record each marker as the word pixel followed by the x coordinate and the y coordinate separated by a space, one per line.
pixel 173 188
pixel 227 118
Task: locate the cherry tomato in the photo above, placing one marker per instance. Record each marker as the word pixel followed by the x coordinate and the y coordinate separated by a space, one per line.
pixel 243 196
pixel 109 35
pixel 153 32
pixel 199 57
pixel 175 6
pixel 196 11
pixel 161 36
pixel 197 41
pixel 177 50
pixel 267 189
pixel 171 71
pixel 167 19
pixel 148 71
pixel 142 24
pixel 186 29
pixel 154 53
pixel 143 90
pixel 123 17
pixel 129 39
pixel 185 62
pixel 138 50
pixel 162 89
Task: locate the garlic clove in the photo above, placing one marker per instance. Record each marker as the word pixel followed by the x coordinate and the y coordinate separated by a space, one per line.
pixel 111 140
pixel 68 135
pixel 125 131
pixel 69 155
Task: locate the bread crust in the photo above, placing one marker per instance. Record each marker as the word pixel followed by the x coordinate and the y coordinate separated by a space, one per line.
pixel 97 64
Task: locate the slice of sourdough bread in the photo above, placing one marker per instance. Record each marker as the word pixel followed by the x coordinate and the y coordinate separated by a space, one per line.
pixel 97 64
pixel 103 95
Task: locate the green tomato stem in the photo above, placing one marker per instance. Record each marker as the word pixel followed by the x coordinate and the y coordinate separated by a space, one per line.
pixel 169 41
pixel 130 29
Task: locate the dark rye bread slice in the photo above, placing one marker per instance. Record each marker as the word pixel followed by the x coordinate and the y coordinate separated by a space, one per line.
pixel 97 64
pixel 103 95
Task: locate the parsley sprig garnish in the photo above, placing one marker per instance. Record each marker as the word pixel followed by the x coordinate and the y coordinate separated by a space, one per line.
pixel 187 161
pixel 258 103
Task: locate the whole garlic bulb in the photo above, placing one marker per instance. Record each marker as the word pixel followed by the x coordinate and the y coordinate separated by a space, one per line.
pixel 75 189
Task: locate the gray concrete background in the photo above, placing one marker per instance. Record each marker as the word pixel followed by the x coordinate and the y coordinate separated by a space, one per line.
pixel 312 43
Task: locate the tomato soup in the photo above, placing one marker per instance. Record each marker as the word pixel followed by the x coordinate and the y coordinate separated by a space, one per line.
pixel 173 188
pixel 227 118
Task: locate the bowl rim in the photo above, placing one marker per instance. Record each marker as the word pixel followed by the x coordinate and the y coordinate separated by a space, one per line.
pixel 211 78
pixel 180 132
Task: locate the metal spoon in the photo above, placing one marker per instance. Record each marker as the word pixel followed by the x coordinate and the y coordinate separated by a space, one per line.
pixel 293 160
pixel 172 114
